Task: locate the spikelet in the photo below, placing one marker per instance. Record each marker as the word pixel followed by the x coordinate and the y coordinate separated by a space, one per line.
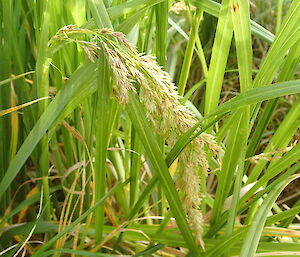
pixel 167 115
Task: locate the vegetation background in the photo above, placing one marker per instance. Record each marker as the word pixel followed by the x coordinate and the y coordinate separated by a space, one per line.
pixel 102 155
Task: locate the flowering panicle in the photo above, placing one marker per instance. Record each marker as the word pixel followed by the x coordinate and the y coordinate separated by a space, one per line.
pixel 166 114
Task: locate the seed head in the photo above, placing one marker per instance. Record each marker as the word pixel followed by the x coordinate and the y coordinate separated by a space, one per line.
pixel 167 115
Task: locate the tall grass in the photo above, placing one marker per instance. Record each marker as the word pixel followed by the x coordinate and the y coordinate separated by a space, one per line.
pixel 149 128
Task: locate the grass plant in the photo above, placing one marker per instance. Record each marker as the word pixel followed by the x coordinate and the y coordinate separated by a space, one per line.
pixel 149 128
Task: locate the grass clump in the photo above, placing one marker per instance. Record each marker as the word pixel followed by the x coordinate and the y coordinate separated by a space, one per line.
pixel 120 160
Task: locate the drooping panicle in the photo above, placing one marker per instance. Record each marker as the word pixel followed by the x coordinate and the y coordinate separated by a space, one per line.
pixel 167 115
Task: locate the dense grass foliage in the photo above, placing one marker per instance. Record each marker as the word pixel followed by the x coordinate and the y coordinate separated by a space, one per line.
pixel 149 128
